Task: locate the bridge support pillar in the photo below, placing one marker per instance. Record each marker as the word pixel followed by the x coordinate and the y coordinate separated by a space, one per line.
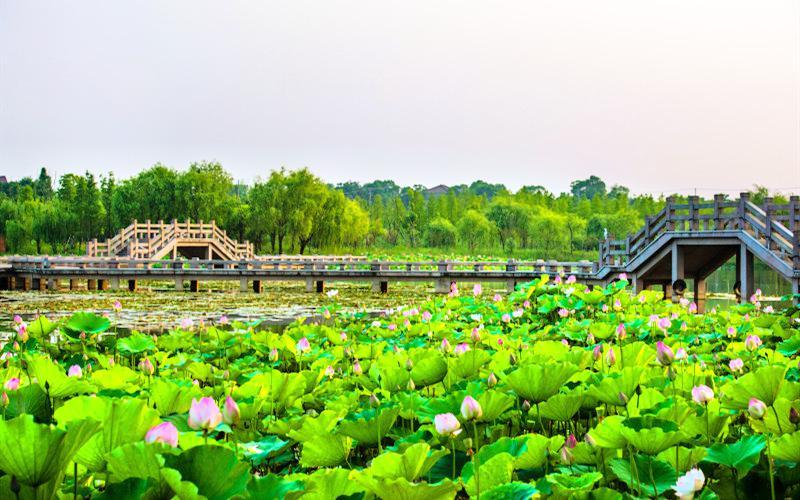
pixel 73 284
pixel 102 285
pixel 52 284
pixel 178 284
pixel 677 271
pixel 379 286
pixel 194 285
pixel 795 290
pixel 511 285
pixel 115 284
pixel 700 293
pixel 258 286
pixel 309 285
pixel 12 283
pixel 443 286
pixel 131 285
pixel 744 266
pixel 243 285
pixel 91 284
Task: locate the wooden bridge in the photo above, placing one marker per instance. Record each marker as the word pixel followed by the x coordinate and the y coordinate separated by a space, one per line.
pixel 677 247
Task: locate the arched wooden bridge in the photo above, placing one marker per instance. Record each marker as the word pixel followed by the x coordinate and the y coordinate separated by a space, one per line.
pixel 679 246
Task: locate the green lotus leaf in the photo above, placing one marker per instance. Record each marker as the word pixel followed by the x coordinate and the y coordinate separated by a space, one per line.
pixel 273 487
pixel 366 426
pixel 135 343
pixel 516 447
pixel 124 421
pixel 496 471
pixel 566 483
pixel 413 464
pixel 87 322
pixel 765 383
pixel 214 470
pixel 280 390
pixel 494 404
pixel 537 383
pixel 651 435
pixel 116 378
pixel 38 454
pixel 695 424
pixel 428 369
pixel 469 364
pixel 173 486
pixel 742 455
pixel 608 389
pixel 325 450
pixel 608 433
pixel 330 483
pixel 687 457
pixel 649 470
pixel 258 452
pixel 511 491
pixel 60 385
pixel 562 407
pixel 30 399
pixel 401 488
pixel 171 398
pixel 787 447
pixel 134 460
pixel 130 489
pixel 41 327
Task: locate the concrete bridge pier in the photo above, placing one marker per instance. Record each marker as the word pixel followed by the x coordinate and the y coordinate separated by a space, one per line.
pixel 52 284
pixel 178 284
pixel 744 265
pixel 379 286
pixel 243 285
pixel 115 284
pixel 91 284
pixel 73 284
pixel 443 285
pixel 511 285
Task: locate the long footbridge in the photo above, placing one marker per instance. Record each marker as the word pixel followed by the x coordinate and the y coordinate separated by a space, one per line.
pixel 678 247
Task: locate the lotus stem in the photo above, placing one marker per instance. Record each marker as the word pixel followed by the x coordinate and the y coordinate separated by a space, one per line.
pixel 771 472
pixel 453 447
pixel 777 420
pixel 476 461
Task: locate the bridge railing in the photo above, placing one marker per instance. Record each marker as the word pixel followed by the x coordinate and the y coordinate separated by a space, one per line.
pixel 776 226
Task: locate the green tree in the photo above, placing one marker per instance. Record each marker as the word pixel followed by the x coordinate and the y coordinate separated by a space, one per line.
pixel 474 230
pixel 441 233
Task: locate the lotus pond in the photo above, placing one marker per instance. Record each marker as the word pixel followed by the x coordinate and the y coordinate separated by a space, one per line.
pixel 553 390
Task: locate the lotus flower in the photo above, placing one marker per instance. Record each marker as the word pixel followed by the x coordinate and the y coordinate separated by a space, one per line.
pixel 12 384
pixel 692 308
pixel 204 414
pixel 571 441
pixel 445 345
pixel 332 293
pixel 75 371
pixel 491 381
pixel 681 354
pixel 664 354
pixel 187 323
pixel 611 358
pixel 769 310
pixel 736 365
pixel 461 348
pixel 273 354
pixel 230 411
pixel 563 313
pixel 117 305
pixel 664 323
pixel 223 320
pixel 164 432
pixel 623 277
pixel 471 409
pixel 329 372
pixel 303 345
pixel 357 370
pixel 147 367
pixel 4 399
pixel 477 290
pixel 447 424
pixel 22 333
pixel 756 408
pixel 621 332
pixel 617 305
pixel 597 352
pixel 426 315
pixel 689 484
pixel 17 319
pixel 702 394
pixel 557 279
pixel 497 297
pixel 730 332
pixel 475 336
pixel 566 456
pixel 505 318
pixel 752 342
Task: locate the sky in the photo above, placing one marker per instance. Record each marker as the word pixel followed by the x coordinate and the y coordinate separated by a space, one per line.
pixel 660 96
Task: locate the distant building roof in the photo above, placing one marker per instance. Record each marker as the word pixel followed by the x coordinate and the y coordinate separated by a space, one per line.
pixel 436 190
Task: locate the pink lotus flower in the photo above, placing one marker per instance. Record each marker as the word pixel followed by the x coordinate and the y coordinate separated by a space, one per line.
pixel 445 345
pixel 75 371
pixel 497 297
pixel 146 366
pixel 557 279
pixel 187 323
pixel 22 333
pixel 571 279
pixel 769 310
pixel 623 277
pixel 117 305
pixel 642 299
pixel 752 342
pixel 604 308
pixel 426 315
pixel 563 313
pixel 681 354
pixel 392 327
pixel 230 411
pixel 303 345
pixel 477 290
pixel 590 339
pixel 223 320
pixel 617 305
pixel 4 401
pixel 565 342
pixel 702 394
pixel 357 370
pixel 693 308
pixel 164 432
pixel 18 319
pixel 597 352
pixel 526 304
pixel 12 384
pixel 204 414
pixel 756 408
pixel 664 323
pixel 475 336
pixel 506 318
pixel 461 348
pixel 471 409
pixel 329 372
pixel 664 354
pixel 736 365
pixel 447 424
pixel 611 358
pixel 491 381
pixel 621 332
pixel 566 456
pixel 731 332
pixel 571 441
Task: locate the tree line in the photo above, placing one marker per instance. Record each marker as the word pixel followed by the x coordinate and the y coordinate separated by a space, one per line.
pixel 297 212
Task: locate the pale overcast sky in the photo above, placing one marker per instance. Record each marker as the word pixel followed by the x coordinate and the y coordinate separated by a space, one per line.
pixel 660 96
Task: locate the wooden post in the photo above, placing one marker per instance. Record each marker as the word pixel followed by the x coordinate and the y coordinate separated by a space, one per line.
pixel 700 293
pixel 677 269
pixel 320 286
pixel 91 284
pixel 794 227
pixel 669 214
pixel 719 199
pixel 694 213
pixel 769 212
pixel 744 265
pixel 179 283
pixel 741 211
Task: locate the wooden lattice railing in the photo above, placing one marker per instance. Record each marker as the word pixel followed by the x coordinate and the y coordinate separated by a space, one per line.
pixel 774 226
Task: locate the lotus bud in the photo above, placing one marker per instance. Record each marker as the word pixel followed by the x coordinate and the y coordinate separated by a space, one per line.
pixel 357 370
pixel 111 361
pixel 230 412
pixel 590 339
pixel 273 355
pixel 681 354
pixel 752 342
pixel 461 348
pixel 794 416
pixel 597 352
pixel 756 408
pixel 83 336
pixel 471 409
pixel 500 342
pixel 611 358
pixel 75 371
pixel 689 484
pixel 447 424
pixel 664 354
pixel 621 332
pixel 196 382
pixel 329 371
pixel 468 444
pixel 204 414
pixel 4 399
pixel 12 384
pixel 164 432
pixel 566 456
pixel 477 289
pixel 492 380
pixel 22 333
pixel 303 345
pixel 374 401
pixel 622 398
pixel 343 337
pixel 702 394
pixel 475 336
pixel 571 441
pixel 411 385
pixel 409 364
pixel 505 318
pixel 526 406
pixel 736 365
pixel 589 440
pixel 731 332
pixel 226 375
pixel 147 367
pixel 445 346
pixel 15 346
